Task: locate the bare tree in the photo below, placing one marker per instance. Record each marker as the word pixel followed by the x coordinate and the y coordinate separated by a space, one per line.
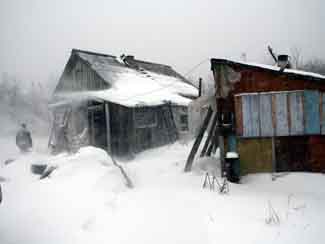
pixel 315 65
pixel 296 57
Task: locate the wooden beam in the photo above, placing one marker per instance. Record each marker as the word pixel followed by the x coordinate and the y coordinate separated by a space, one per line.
pixel 210 135
pixel 198 140
pixel 214 142
pixel 108 129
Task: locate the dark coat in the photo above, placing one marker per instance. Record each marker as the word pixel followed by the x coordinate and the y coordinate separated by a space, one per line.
pixel 24 139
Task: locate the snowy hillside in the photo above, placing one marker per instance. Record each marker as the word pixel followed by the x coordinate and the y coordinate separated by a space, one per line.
pixel 85 201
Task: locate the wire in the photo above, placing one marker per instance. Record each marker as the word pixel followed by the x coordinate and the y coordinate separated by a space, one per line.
pixel 196 66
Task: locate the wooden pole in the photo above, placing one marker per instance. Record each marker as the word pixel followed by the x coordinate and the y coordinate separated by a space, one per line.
pixel 222 154
pixel 214 142
pixel 108 129
pixel 200 87
pixel 198 140
pixel 210 135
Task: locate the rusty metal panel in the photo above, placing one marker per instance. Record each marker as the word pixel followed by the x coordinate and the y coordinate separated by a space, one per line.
pixel 251 123
pixel 282 127
pixel 239 115
pixel 255 155
pixel 266 115
pixel 311 109
pixel 296 113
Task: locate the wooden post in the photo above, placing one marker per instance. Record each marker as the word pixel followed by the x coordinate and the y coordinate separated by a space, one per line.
pixel 200 87
pixel 210 135
pixel 198 140
pixel 222 154
pixel 273 155
pixel 214 142
pixel 108 129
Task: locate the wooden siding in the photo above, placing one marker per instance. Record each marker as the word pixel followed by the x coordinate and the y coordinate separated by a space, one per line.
pixel 78 76
pixel 322 113
pixel 280 114
pixel 251 116
pixel 255 155
pixel 296 113
pixel 281 108
pixel 239 115
pixel 311 107
pixel 266 115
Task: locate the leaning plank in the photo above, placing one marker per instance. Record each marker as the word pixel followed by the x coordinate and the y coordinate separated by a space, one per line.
pixel 210 135
pixel 198 140
pixel 128 181
pixel 214 142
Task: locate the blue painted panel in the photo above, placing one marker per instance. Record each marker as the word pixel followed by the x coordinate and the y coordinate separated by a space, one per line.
pixel 296 113
pixel 311 107
pixel 323 114
pixel 266 115
pixel 250 115
pixel 232 143
pixel 282 128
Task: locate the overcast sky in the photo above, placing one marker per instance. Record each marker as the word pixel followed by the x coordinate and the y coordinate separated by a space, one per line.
pixel 37 35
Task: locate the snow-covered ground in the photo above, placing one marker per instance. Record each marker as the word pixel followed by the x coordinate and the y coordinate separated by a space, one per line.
pixel 85 201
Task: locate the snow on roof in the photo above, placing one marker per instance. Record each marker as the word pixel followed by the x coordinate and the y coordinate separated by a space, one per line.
pixel 273 68
pixel 131 87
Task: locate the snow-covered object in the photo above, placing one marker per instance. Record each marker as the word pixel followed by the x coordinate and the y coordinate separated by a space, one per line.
pixel 134 87
pixel 232 155
pixel 85 201
pixel 275 68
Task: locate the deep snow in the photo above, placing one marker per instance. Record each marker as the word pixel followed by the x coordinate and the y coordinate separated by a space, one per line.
pixel 85 201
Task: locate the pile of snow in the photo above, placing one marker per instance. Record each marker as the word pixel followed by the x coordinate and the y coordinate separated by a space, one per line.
pixel 85 201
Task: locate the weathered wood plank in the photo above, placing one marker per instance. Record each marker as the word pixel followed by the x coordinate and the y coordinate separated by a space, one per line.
pixel 311 107
pixel 198 140
pixel 266 115
pixel 322 115
pixel 239 115
pixel 210 134
pixel 282 128
pixel 296 113
pixel 251 123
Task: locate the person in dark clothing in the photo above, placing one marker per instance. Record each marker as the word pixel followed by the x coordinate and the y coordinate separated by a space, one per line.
pixel 24 139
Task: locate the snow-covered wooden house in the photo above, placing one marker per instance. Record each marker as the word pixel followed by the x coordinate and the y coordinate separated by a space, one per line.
pixel 272 116
pixel 277 116
pixel 120 104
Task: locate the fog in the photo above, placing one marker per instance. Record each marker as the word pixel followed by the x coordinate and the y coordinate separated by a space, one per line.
pixel 37 36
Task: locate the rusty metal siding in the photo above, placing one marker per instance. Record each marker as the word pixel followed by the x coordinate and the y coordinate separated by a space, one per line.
pixel 296 113
pixel 282 126
pixel 239 115
pixel 266 115
pixel 311 108
pixel 251 123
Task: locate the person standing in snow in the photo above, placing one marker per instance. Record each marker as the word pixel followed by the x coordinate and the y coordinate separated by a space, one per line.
pixel 24 139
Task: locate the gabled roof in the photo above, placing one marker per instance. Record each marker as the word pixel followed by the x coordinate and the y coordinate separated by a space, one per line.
pixel 145 83
pixel 290 72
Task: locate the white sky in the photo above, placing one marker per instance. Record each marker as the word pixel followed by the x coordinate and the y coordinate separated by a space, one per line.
pixel 38 35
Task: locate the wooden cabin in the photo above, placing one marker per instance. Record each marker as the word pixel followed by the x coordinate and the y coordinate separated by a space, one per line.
pixel 273 117
pixel 120 104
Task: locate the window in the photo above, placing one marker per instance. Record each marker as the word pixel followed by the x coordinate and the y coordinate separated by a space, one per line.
pixel 145 117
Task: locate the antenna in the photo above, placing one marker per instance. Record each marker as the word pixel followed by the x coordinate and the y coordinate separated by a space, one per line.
pixel 272 54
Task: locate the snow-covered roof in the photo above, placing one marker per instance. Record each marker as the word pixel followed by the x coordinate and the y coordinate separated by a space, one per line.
pixel 149 84
pixel 271 67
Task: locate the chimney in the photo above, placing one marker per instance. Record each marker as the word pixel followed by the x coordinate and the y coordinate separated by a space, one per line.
pixel 284 61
